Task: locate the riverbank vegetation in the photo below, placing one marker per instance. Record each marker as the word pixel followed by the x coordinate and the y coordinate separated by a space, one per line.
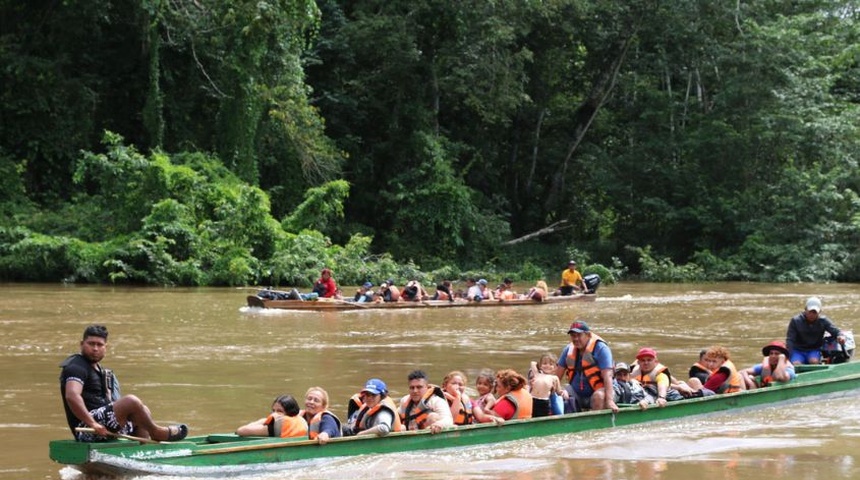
pixel 254 142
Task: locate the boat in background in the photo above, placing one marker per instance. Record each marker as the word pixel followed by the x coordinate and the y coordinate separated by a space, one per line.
pixel 331 304
pixel 229 455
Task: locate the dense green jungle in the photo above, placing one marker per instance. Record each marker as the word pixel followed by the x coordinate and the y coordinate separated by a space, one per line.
pixel 253 142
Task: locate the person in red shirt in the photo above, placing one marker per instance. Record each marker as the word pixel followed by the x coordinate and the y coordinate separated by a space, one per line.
pixel 325 287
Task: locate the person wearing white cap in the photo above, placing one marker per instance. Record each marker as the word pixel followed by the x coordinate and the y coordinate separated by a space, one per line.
pixel 805 335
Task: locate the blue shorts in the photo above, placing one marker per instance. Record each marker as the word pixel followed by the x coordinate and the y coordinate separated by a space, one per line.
pixel 804 356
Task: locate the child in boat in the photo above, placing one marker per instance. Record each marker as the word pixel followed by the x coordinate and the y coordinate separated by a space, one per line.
pixel 454 388
pixel 485 384
pixel 542 384
pixel 283 422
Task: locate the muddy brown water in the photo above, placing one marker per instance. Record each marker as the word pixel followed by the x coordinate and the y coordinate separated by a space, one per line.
pixel 198 356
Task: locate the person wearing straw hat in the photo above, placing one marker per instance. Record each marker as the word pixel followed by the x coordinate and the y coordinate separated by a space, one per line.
pixel 775 367
pixel 805 335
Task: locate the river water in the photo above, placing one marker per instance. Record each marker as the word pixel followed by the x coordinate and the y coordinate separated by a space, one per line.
pixel 198 356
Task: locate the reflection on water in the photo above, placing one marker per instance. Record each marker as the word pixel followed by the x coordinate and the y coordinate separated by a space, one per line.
pixel 197 356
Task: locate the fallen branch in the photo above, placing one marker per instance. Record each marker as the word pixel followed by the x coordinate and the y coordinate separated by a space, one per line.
pixel 559 225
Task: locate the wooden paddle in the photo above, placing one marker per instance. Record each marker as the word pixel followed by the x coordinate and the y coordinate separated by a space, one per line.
pixel 119 435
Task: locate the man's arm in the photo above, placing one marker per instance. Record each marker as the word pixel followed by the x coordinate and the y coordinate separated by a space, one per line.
pixel 833 330
pixel 608 391
pixel 79 408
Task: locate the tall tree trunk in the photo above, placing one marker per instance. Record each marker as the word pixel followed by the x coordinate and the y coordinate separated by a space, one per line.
pixel 588 109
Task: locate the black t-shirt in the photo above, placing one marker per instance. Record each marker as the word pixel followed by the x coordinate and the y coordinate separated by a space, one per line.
pixel 94 393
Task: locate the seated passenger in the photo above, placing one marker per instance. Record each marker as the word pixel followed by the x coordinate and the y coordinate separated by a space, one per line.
pixel 775 367
pixel 628 390
pixel 443 291
pixel 724 377
pixel 486 293
pixel 504 292
pixel 485 384
pixel 374 412
pixel 325 286
pixel 414 292
pixel 454 388
pixel 539 292
pixel 545 387
pixel 425 407
pixel 322 424
pixel 514 400
pixel 473 292
pixel 364 293
pixel 655 379
pixel 283 422
pixel 388 292
pixel 699 370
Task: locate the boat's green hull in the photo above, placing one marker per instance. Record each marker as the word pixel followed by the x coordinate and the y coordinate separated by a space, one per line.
pixel 229 455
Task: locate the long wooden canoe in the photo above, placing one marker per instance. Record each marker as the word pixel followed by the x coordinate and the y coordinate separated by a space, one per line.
pixel 229 455
pixel 328 304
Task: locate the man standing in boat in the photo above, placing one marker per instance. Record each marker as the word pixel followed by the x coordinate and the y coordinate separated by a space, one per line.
pixel 805 335
pixel 95 410
pixel 587 363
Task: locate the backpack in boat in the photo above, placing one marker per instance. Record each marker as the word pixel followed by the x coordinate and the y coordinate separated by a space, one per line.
pixel 592 281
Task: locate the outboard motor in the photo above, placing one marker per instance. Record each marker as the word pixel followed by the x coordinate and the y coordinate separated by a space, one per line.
pixel 833 352
pixel 592 281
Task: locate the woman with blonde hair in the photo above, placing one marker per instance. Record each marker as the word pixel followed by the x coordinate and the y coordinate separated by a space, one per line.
pixel 322 424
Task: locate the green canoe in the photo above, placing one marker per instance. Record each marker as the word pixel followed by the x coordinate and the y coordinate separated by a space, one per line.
pixel 229 455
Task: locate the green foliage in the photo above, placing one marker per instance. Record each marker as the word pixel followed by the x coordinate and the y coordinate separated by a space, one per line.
pixel 724 137
pixel 662 269
pixel 322 207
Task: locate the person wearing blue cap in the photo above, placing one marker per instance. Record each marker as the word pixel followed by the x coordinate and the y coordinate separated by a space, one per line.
pixel 364 293
pixel 587 363
pixel 805 335
pixel 378 415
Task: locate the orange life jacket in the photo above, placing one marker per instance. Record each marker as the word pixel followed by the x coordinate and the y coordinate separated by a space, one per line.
pixel 766 373
pixel 590 369
pixel 733 381
pixel 365 415
pixel 286 427
pixel 522 401
pixel 315 421
pixel 416 413
pixel 464 415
